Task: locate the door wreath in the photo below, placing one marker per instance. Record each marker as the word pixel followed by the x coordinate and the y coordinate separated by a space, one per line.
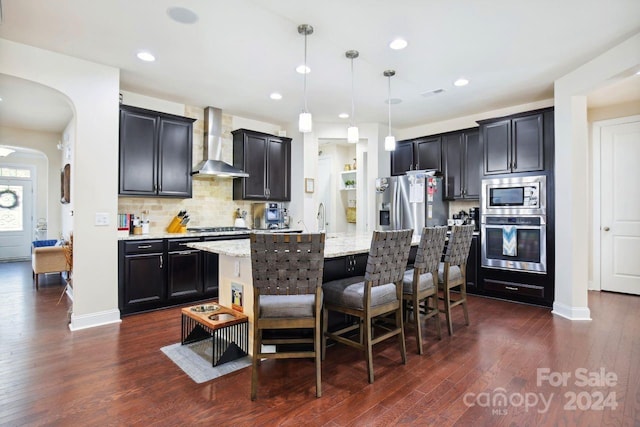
pixel 8 199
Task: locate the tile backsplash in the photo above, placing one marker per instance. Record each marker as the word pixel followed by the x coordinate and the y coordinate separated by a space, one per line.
pixel 462 205
pixel 212 201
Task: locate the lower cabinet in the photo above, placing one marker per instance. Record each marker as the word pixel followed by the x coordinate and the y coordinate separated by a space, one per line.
pixel 184 270
pixel 473 265
pixel 141 275
pixel 158 273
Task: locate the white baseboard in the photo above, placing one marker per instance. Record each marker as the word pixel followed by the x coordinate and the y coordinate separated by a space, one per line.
pixel 91 320
pixel 571 313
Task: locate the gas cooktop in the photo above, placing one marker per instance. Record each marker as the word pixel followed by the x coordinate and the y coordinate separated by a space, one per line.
pixel 214 229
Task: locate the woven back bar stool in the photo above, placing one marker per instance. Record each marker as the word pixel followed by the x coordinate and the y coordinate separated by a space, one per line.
pixel 452 272
pixel 420 284
pixel 376 296
pixel 287 294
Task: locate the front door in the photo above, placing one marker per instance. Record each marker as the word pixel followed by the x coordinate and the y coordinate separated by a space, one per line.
pixel 620 207
pixel 16 223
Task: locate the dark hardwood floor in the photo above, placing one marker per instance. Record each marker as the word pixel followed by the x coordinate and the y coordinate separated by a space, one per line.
pixel 117 375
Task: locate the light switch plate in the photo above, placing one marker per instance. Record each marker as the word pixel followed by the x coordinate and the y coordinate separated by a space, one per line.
pixel 102 218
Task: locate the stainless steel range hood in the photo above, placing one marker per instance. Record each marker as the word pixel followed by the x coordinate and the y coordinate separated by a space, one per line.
pixel 212 165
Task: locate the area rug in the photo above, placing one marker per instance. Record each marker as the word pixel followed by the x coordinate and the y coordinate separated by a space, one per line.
pixel 195 360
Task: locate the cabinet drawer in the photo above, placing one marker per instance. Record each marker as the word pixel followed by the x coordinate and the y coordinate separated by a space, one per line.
pixel 181 244
pixel 514 288
pixel 143 246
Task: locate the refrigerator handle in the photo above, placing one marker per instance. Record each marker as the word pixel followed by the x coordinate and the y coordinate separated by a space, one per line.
pixel 396 204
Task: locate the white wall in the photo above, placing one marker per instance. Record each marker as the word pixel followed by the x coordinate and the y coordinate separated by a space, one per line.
pixel 572 171
pixel 93 92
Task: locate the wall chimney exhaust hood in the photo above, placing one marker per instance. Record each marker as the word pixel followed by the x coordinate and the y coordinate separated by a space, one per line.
pixel 212 165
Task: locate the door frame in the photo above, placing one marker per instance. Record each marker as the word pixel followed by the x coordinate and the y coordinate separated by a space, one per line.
pixel 33 181
pixel 596 195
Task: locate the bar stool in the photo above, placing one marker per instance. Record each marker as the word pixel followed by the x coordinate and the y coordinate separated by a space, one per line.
pixel 287 294
pixel 452 272
pixel 420 282
pixel 376 296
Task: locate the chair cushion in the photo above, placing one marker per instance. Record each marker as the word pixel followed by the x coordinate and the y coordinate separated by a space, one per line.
pixel 454 272
pixel 424 282
pixel 349 292
pixel 287 305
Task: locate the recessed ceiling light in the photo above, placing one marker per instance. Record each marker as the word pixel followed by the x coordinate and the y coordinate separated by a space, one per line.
pixel 461 82
pixel 638 73
pixel 398 44
pixel 146 56
pixel 303 69
pixel 276 96
pixel 182 15
pixel 0 99
pixel 343 115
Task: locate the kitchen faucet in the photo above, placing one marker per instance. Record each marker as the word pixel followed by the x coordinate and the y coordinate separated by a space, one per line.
pixel 321 221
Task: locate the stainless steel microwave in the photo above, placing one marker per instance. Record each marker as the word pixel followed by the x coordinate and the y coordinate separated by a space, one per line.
pixel 523 195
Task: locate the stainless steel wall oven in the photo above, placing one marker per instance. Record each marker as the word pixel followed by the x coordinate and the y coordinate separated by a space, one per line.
pixel 514 224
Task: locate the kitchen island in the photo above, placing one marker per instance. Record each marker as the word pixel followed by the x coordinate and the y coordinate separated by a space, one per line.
pixel 345 255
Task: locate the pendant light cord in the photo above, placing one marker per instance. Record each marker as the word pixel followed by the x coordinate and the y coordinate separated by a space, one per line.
pixel 352 92
pixel 389 104
pixel 306 71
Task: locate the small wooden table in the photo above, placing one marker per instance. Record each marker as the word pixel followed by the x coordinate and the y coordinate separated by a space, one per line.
pixel 228 329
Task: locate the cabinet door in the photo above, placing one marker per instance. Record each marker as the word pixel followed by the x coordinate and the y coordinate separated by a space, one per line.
pixel 402 158
pixel 427 153
pixel 138 153
pixel 527 144
pixel 255 164
pixel 472 266
pixel 210 271
pixel 452 163
pixel 175 148
pixel 496 139
pixel 472 163
pixel 184 278
pixel 279 170
pixel 144 281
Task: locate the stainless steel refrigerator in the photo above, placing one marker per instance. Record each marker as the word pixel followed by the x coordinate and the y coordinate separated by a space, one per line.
pixel 410 201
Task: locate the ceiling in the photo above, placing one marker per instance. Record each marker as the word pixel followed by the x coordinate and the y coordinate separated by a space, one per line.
pixel 240 51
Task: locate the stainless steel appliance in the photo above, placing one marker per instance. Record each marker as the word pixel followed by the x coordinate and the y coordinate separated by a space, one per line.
pixel 268 216
pixel 514 224
pixel 411 201
pixel 530 237
pixel 524 195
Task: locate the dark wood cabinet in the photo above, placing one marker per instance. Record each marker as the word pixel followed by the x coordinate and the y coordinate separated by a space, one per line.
pixel 159 273
pixel 513 144
pixel 155 153
pixel 267 160
pixel 142 276
pixel 184 270
pixel 462 164
pixel 416 154
pixel 473 265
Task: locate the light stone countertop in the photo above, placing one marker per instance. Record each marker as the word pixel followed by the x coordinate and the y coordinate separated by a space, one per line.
pixel 336 245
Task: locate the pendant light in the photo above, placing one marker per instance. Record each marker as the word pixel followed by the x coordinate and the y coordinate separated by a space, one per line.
pixel 390 140
pixel 352 131
pixel 305 124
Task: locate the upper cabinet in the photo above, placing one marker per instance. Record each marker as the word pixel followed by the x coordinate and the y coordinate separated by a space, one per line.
pixel 155 153
pixel 416 154
pixel 462 164
pixel 267 160
pixel 514 144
